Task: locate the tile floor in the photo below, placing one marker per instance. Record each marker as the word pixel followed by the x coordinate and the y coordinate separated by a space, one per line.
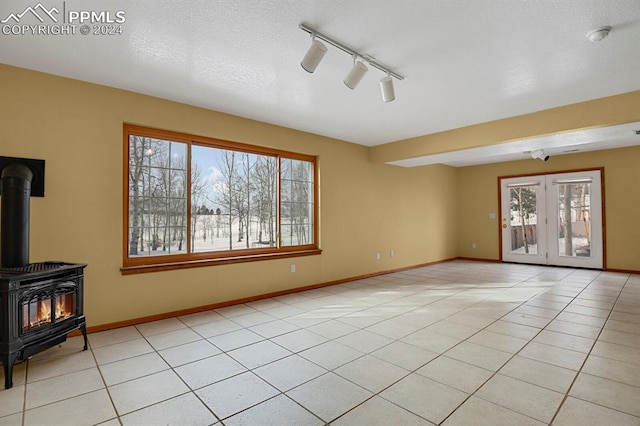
pixel 458 343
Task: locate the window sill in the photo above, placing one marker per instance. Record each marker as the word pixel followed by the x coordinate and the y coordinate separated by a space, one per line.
pixel 187 264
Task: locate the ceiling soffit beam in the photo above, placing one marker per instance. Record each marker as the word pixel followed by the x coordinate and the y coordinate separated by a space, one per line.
pixel 603 112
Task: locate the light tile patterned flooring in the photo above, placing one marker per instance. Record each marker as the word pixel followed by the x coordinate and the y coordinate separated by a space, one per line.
pixel 458 343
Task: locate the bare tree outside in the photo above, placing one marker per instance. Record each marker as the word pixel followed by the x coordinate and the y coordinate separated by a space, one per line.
pixel 241 192
pixel 224 195
pixel 297 202
pixel 199 210
pixel 138 147
pixel 523 210
pixel 157 203
pixel 264 199
pixel 222 200
pixel 240 196
pixel 574 210
pixel 565 219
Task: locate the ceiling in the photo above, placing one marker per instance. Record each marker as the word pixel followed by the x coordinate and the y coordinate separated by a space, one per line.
pixel 464 61
pixel 586 140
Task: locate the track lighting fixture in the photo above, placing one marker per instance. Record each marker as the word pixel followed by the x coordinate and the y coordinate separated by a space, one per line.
pixel 539 154
pixel 386 88
pixel 317 51
pixel 314 55
pixel 358 71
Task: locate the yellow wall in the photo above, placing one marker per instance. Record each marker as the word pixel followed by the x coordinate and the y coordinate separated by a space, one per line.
pixel 478 196
pixel 423 214
pixel 77 128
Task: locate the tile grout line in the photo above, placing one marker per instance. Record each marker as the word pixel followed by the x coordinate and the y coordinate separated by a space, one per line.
pixel 192 391
pixel 517 352
pixel 170 368
pixel 28 361
pixel 410 372
pixel 248 370
pixel 442 354
pixel 595 341
pixel 393 340
pixel 24 397
pixel 475 285
pixel 377 394
pixel 93 355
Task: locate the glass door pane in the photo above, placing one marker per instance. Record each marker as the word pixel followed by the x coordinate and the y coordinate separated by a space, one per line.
pixel 524 220
pixel 574 203
pixel 574 213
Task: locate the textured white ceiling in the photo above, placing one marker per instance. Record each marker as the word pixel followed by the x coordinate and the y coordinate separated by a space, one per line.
pixel 465 61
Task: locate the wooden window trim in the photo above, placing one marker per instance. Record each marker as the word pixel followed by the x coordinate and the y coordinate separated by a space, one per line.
pixel 190 260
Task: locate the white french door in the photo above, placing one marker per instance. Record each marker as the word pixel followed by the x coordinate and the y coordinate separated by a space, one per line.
pixel 553 219
pixel 523 222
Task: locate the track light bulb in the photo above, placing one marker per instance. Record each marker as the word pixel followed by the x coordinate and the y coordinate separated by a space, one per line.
pixel 386 89
pixel 358 71
pixel 314 55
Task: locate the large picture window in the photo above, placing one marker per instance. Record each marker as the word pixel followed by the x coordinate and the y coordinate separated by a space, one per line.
pixel 193 201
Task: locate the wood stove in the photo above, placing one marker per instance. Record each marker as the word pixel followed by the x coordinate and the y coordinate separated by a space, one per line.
pixel 40 303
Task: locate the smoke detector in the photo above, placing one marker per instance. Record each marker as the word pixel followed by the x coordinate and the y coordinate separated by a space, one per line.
pixel 598 34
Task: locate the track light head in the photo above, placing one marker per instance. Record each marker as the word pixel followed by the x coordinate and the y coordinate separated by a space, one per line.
pixel 386 89
pixel 358 71
pixel 540 155
pixel 317 51
pixel 313 56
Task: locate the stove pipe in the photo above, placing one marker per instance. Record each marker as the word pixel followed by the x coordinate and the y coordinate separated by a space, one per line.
pixel 14 208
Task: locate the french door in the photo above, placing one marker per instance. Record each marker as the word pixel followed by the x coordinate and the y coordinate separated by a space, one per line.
pixel 553 219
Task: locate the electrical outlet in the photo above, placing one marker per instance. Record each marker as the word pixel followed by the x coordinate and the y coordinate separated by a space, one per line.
pixel 293 268
pixel 473 245
pixel 391 253
pixel 377 256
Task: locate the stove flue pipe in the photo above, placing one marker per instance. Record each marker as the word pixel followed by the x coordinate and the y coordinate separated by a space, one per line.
pixel 14 211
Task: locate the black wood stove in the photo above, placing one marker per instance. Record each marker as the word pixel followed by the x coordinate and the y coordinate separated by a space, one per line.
pixel 40 303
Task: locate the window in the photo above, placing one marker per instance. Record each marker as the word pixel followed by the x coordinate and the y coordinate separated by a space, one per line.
pixel 193 201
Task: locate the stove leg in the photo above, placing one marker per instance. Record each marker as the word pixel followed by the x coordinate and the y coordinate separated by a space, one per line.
pixel 7 364
pixel 83 330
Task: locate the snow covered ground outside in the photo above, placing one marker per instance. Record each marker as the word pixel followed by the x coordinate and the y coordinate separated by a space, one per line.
pixel 578 242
